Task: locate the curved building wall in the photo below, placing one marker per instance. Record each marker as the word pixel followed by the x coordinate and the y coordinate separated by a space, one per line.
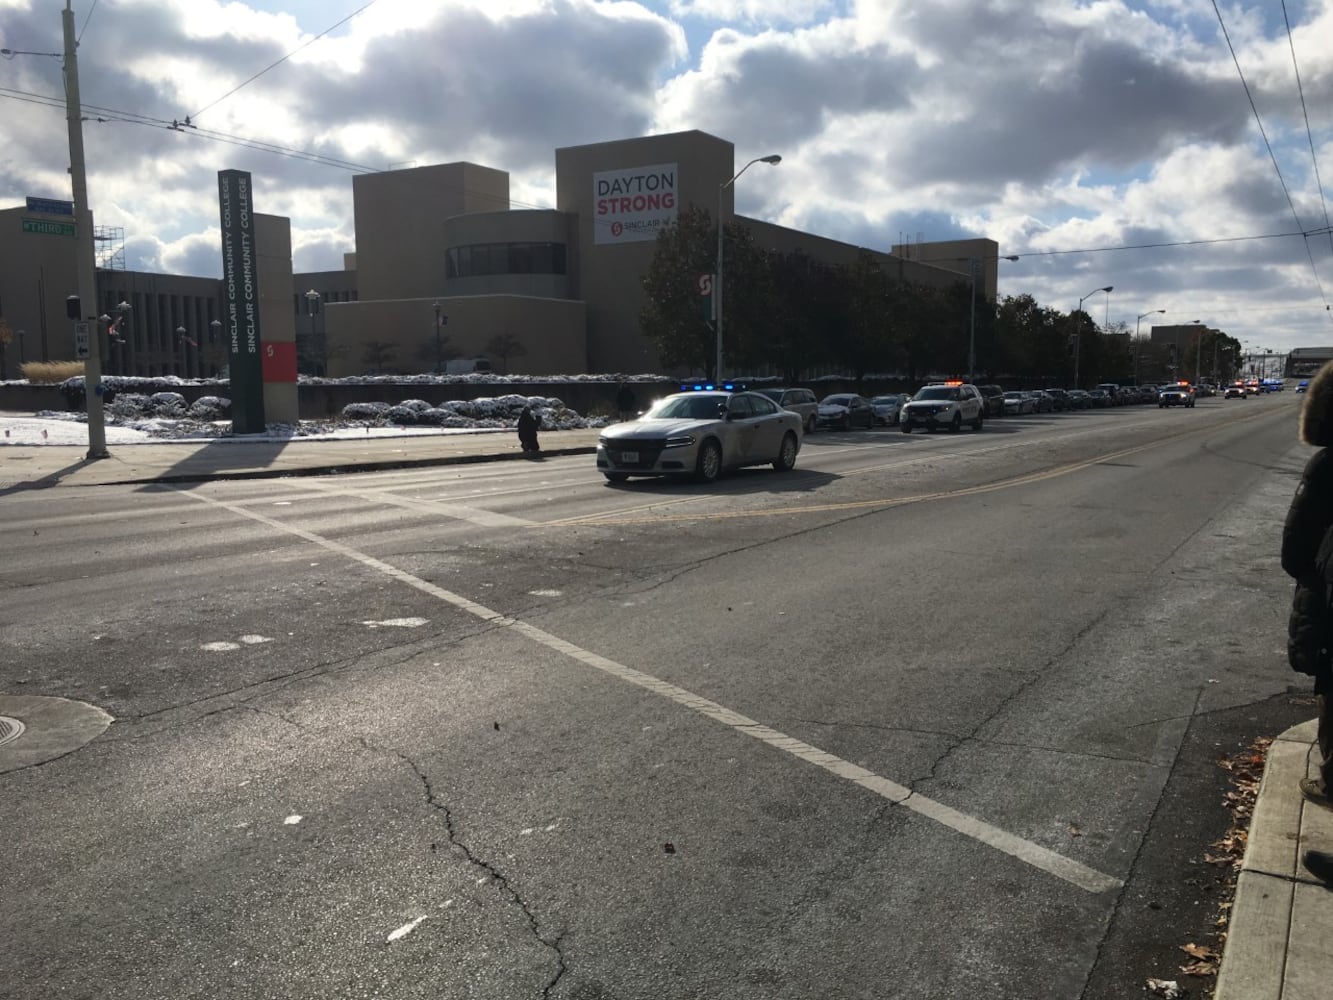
pixel 525 252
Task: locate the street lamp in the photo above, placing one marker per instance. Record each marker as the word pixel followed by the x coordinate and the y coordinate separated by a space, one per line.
pixel 439 344
pixel 21 334
pixel 312 306
pixel 772 159
pixel 1198 351
pixel 114 333
pixel 972 263
pixel 1150 312
pixel 1077 338
pixel 214 336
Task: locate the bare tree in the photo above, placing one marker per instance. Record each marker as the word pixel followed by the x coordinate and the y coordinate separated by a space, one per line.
pixel 377 354
pixel 505 346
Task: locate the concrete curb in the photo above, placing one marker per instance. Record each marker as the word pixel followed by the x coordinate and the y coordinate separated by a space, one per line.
pixel 1282 917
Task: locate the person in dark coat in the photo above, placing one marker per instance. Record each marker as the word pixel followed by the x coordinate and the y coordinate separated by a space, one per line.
pixel 528 425
pixel 625 401
pixel 1307 556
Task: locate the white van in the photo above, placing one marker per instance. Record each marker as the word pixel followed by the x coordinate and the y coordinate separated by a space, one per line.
pixel 466 366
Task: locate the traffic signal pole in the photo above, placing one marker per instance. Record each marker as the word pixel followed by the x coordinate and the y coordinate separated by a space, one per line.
pixel 85 264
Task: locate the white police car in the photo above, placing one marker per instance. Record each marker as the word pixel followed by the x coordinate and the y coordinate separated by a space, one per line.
pixel 701 432
pixel 944 405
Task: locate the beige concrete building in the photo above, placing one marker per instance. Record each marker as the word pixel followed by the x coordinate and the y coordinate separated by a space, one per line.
pixel 445 267
pixel 564 284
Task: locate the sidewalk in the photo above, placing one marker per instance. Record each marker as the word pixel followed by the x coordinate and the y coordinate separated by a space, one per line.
pixel 1280 943
pixel 46 466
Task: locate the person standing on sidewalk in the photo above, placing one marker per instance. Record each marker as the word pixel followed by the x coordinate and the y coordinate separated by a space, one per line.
pixel 528 425
pixel 1307 556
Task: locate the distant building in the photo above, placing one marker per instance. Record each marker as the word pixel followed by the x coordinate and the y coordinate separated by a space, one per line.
pixel 1304 362
pixel 445 267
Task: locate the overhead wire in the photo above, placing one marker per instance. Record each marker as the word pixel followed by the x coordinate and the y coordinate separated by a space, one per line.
pixel 1314 158
pixel 1271 155
pixel 279 62
pixel 79 38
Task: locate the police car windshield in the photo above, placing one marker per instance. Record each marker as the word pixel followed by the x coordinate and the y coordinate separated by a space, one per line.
pixel 937 392
pixel 686 408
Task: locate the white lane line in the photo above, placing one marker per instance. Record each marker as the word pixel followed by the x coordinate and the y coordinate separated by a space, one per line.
pixel 1042 858
pixel 474 515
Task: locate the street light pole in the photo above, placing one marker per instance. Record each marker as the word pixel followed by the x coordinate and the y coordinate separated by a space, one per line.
pixel 772 159
pixel 1077 334
pixel 439 347
pixel 972 264
pixel 312 304
pixel 1198 352
pixel 1150 312
pixel 84 258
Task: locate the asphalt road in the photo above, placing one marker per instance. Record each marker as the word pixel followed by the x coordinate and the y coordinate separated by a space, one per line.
pixel 930 716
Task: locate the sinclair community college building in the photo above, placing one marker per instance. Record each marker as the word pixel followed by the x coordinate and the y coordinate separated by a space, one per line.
pixel 441 257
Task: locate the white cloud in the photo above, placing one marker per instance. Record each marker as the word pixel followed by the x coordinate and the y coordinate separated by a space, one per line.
pixel 1045 124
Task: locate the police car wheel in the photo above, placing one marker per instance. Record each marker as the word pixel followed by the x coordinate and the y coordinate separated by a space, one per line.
pixel 709 466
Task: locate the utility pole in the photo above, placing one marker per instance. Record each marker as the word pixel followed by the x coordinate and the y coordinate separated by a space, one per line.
pixel 85 264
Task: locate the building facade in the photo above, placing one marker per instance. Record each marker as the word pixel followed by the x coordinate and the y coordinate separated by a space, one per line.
pixel 444 267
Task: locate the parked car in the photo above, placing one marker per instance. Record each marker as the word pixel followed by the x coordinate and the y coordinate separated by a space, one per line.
pixel 845 410
pixel 994 397
pixel 1180 394
pixel 1100 397
pixel 701 434
pixel 1060 398
pixel 800 401
pixel 944 404
pixel 887 408
pixel 1079 399
pixel 1017 402
pixel 1041 401
pixel 1112 389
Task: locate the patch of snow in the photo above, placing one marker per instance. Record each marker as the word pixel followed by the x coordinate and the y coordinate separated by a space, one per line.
pixel 147 417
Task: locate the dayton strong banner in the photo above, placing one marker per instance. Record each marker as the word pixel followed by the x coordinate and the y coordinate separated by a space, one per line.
pixel 240 301
pixel 634 204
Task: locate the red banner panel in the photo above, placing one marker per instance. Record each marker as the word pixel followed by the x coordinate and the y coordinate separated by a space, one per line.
pixel 280 361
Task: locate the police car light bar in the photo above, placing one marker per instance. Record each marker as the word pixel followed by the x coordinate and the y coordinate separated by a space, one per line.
pixel 710 387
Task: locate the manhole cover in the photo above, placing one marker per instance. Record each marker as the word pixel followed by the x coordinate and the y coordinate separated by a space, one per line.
pixel 10 729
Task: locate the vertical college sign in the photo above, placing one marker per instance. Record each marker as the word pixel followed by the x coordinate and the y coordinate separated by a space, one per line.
pixel 240 301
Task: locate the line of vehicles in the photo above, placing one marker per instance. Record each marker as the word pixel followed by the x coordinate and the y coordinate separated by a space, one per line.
pixel 706 430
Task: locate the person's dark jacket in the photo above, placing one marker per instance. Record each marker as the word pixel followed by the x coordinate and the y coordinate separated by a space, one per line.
pixel 1307 541
pixel 528 424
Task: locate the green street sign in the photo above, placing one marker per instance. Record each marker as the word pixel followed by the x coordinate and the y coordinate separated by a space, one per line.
pixel 48 228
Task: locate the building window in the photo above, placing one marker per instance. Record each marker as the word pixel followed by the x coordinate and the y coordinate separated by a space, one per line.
pixel 482 259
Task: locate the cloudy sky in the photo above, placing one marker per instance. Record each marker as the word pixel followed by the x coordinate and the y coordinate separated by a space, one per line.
pixel 1107 142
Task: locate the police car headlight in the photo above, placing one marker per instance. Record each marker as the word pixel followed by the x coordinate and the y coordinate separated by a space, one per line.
pixel 680 441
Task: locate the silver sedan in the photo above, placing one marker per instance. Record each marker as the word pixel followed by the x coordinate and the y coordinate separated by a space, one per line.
pixel 701 434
